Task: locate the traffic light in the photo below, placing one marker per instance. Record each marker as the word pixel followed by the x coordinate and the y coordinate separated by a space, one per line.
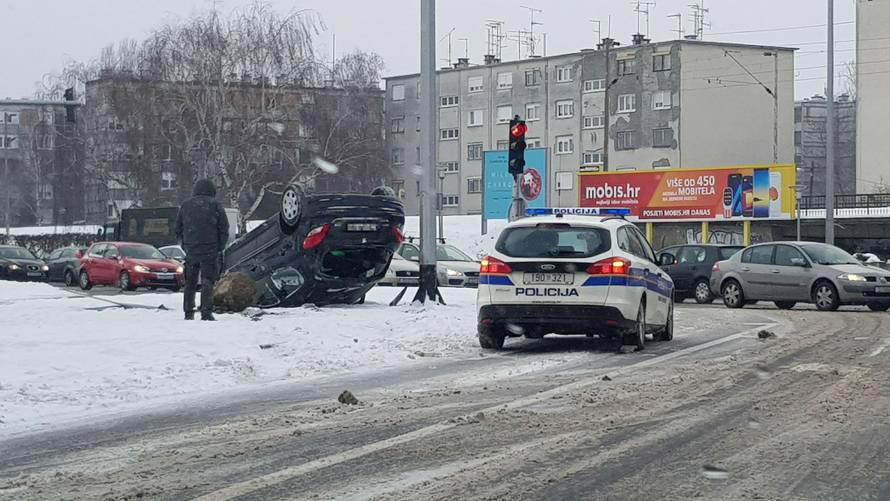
pixel 516 160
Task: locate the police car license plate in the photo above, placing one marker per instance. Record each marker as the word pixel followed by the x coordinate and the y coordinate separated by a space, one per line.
pixel 549 278
pixel 882 290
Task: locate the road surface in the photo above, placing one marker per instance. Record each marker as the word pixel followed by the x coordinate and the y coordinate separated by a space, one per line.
pixel 719 414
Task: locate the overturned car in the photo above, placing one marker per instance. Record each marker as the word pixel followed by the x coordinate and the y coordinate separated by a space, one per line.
pixel 321 249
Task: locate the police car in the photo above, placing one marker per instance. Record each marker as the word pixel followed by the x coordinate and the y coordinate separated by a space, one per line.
pixel 573 271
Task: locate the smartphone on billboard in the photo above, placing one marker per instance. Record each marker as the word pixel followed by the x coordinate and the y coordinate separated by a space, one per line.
pixel 747 196
pixel 775 194
pixel 734 183
pixel 761 193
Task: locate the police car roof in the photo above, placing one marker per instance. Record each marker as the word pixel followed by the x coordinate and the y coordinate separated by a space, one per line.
pixel 567 219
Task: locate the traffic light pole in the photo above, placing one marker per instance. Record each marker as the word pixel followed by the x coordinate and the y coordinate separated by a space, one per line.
pixel 519 205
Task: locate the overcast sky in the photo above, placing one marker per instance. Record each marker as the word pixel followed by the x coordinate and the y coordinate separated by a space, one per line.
pixel 41 35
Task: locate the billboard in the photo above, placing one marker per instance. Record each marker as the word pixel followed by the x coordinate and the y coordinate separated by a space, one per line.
pixel 723 193
pixel 498 182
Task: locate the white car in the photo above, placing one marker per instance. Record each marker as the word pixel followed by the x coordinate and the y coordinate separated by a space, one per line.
pixel 454 267
pixel 401 273
pixel 573 271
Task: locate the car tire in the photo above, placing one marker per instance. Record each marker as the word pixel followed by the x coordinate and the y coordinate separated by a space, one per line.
pixel 667 334
pixel 703 292
pixel 124 282
pixel 70 280
pixel 825 296
pixel 879 306
pixel 733 296
pixel 291 207
pixel 785 305
pixel 175 289
pixel 679 298
pixel 491 339
pixel 84 281
pixel 637 336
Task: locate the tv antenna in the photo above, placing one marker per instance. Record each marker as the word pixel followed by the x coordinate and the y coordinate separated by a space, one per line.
pixel 598 30
pixel 448 36
pixel 466 42
pixel 699 19
pixel 643 8
pixel 531 32
pixel 496 37
pixel 679 31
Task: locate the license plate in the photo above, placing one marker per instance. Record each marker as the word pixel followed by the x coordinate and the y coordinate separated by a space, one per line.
pixel 361 227
pixel 34 274
pixel 549 278
pixel 164 276
pixel 882 290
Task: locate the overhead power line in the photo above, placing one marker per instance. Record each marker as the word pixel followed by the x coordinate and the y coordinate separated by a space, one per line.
pixel 787 28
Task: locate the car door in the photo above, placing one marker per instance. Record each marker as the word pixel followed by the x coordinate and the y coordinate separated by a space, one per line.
pixel 791 275
pixel 56 265
pixel 92 262
pixel 110 265
pixel 657 298
pixel 693 264
pixel 672 268
pixel 756 272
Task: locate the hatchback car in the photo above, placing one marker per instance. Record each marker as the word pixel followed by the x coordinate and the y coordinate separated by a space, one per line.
pixel 129 266
pixel 788 273
pixel 64 265
pixel 21 265
pixel 455 268
pixel 401 273
pixel 691 271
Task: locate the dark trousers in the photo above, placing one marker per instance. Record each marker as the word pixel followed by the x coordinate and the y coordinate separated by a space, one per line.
pixel 207 267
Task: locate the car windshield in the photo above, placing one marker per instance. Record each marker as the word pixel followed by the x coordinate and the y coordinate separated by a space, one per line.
pixel 828 254
pixel 16 253
pixel 728 252
pixel 173 252
pixel 141 252
pixel 553 240
pixel 451 253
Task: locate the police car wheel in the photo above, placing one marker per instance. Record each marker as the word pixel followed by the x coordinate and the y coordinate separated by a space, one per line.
pixel 491 340
pixel 637 336
pixel 667 334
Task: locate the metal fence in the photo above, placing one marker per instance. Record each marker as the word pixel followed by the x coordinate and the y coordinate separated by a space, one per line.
pixel 867 202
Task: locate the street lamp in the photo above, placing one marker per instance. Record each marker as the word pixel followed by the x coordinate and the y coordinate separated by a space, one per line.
pixel 797 188
pixel 775 55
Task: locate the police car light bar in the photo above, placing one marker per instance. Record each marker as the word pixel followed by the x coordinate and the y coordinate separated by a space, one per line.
pixel 577 211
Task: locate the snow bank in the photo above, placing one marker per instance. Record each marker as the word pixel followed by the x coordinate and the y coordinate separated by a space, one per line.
pixel 64 356
pixel 87 229
pixel 464 232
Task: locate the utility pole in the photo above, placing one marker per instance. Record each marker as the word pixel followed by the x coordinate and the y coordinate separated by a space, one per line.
pixel 6 173
pixel 607 44
pixel 829 131
pixel 440 201
pixel 775 93
pixel 428 287
pixel 797 188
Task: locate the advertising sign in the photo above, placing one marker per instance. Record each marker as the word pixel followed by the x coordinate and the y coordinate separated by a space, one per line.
pixel 499 182
pixel 725 193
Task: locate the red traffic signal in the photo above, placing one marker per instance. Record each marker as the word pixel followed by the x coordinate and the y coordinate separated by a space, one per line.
pixel 519 130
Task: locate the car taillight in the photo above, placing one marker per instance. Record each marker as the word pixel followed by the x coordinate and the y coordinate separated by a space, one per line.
pixel 397 232
pixel 610 266
pixel 492 266
pixel 716 267
pixel 316 237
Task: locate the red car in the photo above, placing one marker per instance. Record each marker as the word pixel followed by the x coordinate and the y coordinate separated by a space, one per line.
pixel 129 266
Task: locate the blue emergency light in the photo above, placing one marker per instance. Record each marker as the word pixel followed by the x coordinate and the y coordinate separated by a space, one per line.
pixel 577 211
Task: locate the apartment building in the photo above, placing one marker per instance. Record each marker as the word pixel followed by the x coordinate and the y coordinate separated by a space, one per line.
pixel 681 103
pixel 810 141
pixel 872 98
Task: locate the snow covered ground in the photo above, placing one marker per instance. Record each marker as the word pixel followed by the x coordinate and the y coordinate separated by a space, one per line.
pixel 64 357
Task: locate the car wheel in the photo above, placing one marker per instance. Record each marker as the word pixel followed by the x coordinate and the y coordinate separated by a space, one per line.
pixel 491 339
pixel 703 292
pixel 879 306
pixel 679 298
pixel 733 297
pixel 124 282
pixel 825 296
pixel 291 207
pixel 84 281
pixel 667 334
pixel 175 289
pixel 637 336
pixel 785 305
pixel 70 280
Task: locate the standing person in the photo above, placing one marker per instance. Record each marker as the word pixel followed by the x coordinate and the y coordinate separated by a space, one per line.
pixel 203 230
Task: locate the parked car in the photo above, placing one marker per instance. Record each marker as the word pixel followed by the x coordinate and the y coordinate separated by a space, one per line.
pixel 174 252
pixel 455 267
pixel 19 264
pixel 129 265
pixel 691 271
pixel 401 273
pixel 788 273
pixel 64 265
pixel 321 249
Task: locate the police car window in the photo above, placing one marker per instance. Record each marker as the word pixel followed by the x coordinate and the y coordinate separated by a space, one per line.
pixel 623 239
pixel 633 245
pixel 648 253
pixel 553 241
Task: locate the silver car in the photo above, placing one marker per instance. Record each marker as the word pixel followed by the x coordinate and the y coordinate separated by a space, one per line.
pixel 401 273
pixel 455 268
pixel 788 273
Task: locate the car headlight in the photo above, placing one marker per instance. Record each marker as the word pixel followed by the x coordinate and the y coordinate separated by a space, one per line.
pixel 140 269
pixel 454 273
pixel 45 268
pixel 180 269
pixel 14 267
pixel 852 277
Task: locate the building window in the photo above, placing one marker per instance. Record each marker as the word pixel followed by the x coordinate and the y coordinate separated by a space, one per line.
pixel 474 185
pixel 449 101
pixel 398 92
pixel 10 118
pixel 626 66
pixel 663 138
pixel 627 103
pixel 625 140
pixel 504 144
pixel 532 112
pixel 565 109
pixel 168 181
pixel 594 122
pixel 48 117
pixel 450 200
pixel 564 73
pixel 417 127
pixel 417 90
pixel 166 152
pixel 45 191
pixel 450 167
pixel 505 114
pixel 398 156
pixel 565 145
pixel 475 84
pixel 505 80
pixel 474 151
pixel 533 142
pixel 475 118
pixel 797 138
pixel 417 155
pixel 9 142
pixel 797 115
pixel 398 125
pixel 565 181
pixel 532 78
pixel 595 85
pixel 661 62
pixel 661 100
pixel 592 158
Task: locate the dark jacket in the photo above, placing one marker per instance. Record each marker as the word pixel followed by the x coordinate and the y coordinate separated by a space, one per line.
pixel 201 225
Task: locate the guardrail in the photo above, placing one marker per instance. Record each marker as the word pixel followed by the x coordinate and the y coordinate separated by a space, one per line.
pixel 866 202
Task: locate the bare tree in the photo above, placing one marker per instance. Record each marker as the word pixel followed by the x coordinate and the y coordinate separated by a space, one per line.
pixel 848 79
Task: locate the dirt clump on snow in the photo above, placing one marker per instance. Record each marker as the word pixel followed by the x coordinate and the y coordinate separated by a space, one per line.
pixel 234 293
pixel 347 398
